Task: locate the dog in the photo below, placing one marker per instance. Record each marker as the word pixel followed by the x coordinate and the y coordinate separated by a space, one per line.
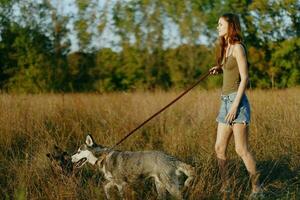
pixel 60 161
pixel 124 167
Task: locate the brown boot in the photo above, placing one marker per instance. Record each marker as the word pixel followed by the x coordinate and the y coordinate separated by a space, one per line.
pixel 223 170
pixel 256 187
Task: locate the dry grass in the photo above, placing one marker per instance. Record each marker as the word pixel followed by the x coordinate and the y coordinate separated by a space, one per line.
pixel 31 124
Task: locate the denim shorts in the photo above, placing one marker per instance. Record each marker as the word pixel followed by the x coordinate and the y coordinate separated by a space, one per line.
pixel 243 111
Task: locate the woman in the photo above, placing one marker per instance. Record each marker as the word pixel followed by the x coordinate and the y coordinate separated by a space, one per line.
pixel 234 114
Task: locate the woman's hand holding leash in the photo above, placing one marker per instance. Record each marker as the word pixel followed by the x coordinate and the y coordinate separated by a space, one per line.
pixel 215 70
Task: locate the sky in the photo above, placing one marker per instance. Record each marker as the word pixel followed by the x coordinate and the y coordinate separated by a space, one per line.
pixel 108 37
pixel 67 7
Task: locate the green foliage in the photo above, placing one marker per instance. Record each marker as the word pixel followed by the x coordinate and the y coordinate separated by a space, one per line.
pixel 284 59
pixel 35 44
pixel 28 63
pixel 78 77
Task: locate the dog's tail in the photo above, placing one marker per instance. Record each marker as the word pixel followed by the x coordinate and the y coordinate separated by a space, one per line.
pixel 189 171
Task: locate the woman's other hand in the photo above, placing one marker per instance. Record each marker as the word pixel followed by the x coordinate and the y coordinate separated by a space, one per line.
pixel 231 114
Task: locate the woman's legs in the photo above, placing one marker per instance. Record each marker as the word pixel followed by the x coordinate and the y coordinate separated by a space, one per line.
pixel 224 134
pixel 240 132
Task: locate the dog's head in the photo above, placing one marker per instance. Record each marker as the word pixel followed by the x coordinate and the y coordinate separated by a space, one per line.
pixel 60 161
pixel 88 152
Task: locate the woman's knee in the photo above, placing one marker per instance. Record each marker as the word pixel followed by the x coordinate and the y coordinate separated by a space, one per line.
pixel 220 151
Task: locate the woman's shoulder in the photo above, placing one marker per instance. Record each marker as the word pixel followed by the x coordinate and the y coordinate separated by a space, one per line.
pixel 238 49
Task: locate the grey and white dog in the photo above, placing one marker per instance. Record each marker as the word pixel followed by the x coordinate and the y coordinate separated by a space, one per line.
pixel 123 167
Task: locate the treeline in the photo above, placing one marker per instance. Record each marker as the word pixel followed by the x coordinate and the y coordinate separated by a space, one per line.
pixel 95 45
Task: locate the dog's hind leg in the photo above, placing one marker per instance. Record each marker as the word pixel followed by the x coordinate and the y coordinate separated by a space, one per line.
pixel 189 171
pixel 107 187
pixel 174 191
pixel 160 189
pixel 171 183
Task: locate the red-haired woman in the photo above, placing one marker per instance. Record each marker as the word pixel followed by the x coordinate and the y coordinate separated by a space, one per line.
pixel 234 115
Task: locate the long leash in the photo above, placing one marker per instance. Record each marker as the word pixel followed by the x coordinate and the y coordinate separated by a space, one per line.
pixel 161 110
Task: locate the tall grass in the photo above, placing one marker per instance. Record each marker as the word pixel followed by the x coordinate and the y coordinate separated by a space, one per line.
pixel 31 124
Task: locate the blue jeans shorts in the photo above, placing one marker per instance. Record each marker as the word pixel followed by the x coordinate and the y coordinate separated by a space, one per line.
pixel 243 111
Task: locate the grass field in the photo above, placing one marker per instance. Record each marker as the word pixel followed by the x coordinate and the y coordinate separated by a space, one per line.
pixel 31 124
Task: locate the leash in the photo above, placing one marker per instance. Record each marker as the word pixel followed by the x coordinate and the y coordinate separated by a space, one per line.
pixel 161 110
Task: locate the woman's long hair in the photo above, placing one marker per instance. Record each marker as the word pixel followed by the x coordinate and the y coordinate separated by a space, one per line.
pixel 234 35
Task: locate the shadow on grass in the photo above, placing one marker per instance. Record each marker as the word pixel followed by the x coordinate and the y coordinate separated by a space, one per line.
pixel 280 178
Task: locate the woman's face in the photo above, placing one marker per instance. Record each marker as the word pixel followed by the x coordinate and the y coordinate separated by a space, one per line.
pixel 222 27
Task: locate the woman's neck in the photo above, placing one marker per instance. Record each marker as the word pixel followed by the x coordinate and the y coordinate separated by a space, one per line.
pixel 226 38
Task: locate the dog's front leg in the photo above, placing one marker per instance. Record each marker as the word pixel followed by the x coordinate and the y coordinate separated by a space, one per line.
pixel 107 187
pixel 121 189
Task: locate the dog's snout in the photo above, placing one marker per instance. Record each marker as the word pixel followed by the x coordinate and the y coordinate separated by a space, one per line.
pixel 73 159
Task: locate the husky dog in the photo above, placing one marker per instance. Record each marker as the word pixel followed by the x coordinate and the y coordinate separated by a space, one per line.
pixel 123 167
pixel 60 161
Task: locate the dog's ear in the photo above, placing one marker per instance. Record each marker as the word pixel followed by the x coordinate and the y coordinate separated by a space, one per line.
pixel 66 156
pixel 49 156
pixel 89 140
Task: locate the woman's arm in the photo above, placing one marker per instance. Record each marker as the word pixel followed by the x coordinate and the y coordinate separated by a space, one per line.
pixel 240 55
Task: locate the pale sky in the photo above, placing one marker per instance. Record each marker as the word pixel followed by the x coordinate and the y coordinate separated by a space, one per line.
pixel 171 36
pixel 68 7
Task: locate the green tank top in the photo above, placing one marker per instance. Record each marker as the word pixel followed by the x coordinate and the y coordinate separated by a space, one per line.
pixel 231 76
